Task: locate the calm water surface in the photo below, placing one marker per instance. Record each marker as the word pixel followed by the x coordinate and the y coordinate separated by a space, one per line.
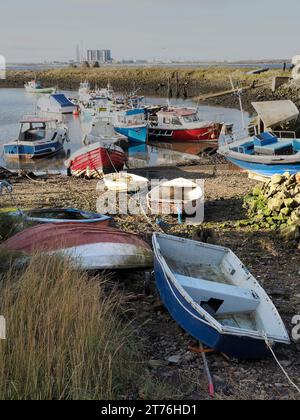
pixel 15 103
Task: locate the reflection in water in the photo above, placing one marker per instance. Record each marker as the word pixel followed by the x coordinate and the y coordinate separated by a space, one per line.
pixel 15 103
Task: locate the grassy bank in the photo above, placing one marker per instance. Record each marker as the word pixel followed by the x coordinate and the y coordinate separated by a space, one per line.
pixel 187 82
pixel 65 339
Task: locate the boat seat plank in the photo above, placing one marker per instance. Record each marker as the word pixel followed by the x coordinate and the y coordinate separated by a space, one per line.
pixel 225 299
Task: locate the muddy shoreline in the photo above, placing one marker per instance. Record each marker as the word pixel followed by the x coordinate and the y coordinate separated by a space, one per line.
pixel 275 266
pixel 183 83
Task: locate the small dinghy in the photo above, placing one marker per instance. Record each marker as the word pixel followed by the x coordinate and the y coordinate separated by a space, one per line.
pixel 178 196
pixel 264 154
pixel 125 182
pixel 93 160
pixel 94 247
pixel 212 296
pixel 63 215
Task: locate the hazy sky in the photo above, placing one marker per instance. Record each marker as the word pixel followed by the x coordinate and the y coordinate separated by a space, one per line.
pixel 38 30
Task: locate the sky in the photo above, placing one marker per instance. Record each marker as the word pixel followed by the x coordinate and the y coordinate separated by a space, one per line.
pixel 207 30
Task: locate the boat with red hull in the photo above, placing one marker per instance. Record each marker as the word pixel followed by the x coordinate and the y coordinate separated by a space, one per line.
pixel 95 159
pixel 95 247
pixel 182 125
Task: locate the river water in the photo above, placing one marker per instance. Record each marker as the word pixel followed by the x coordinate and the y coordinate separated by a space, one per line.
pixel 15 103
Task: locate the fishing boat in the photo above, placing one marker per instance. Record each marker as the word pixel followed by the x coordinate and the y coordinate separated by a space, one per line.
pixel 125 182
pixel 132 124
pixel 211 295
pixel 94 247
pixel 95 159
pixel 62 215
pixel 56 104
pixel 182 125
pixel 36 87
pixel 179 196
pixel 38 137
pixel 264 154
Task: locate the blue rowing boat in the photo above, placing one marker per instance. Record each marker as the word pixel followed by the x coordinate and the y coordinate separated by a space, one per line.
pixel 264 154
pixel 212 296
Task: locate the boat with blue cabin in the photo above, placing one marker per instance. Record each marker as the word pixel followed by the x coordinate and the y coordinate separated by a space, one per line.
pixel 132 124
pixel 264 154
pixel 38 137
pixel 57 103
pixel 212 296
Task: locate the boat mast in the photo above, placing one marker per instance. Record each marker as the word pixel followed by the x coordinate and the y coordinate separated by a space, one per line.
pixel 238 92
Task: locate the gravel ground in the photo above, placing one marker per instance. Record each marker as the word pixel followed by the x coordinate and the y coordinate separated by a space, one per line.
pixel 171 370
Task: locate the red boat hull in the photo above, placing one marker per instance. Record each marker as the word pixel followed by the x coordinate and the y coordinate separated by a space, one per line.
pixel 209 133
pixel 94 247
pixel 97 161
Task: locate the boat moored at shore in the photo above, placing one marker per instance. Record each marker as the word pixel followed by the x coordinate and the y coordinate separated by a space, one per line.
pixel 264 154
pixel 93 160
pixel 34 86
pixel 211 295
pixel 182 124
pixel 38 137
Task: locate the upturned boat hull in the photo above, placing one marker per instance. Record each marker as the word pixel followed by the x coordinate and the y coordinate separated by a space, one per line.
pixel 93 247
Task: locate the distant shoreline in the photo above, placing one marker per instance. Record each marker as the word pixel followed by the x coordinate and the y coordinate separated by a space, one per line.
pixel 273 64
pixel 181 82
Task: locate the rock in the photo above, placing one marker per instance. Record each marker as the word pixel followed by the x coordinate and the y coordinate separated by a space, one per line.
pixel 277 179
pixel 174 360
pixel 154 364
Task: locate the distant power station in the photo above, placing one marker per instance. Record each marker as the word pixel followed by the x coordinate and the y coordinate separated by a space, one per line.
pixel 102 56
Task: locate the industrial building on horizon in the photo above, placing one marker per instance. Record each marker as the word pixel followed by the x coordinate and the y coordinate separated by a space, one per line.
pixel 102 56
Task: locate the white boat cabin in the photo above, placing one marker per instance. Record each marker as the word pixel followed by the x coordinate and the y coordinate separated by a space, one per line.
pixel 176 117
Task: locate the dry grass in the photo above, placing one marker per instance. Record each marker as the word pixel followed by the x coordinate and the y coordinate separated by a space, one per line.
pixel 64 337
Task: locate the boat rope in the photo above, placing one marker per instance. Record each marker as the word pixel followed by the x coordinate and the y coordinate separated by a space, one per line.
pixel 114 168
pixel 279 364
pixel 150 222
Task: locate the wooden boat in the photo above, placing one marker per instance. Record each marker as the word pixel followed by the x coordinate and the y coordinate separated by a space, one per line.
pixel 182 124
pixel 125 182
pixel 63 215
pixel 94 247
pixel 178 196
pixel 38 137
pixel 95 159
pixel 264 154
pixel 34 86
pixel 211 295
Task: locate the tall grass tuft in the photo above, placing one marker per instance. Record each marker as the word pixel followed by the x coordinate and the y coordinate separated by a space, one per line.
pixel 64 337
